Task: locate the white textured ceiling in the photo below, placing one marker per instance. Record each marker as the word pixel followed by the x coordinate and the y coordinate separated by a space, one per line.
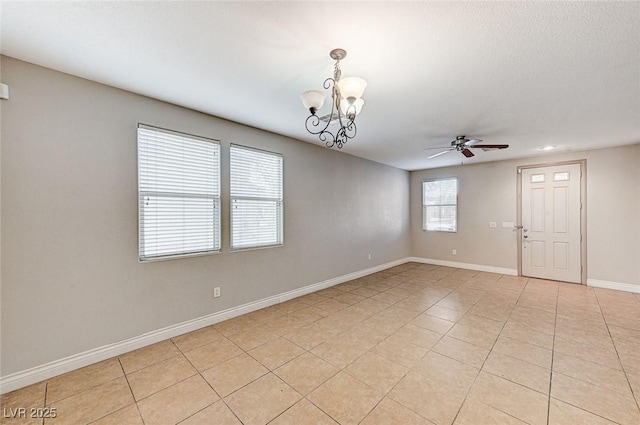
pixel 528 74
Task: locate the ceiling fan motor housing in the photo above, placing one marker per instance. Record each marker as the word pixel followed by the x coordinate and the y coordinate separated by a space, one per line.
pixel 459 143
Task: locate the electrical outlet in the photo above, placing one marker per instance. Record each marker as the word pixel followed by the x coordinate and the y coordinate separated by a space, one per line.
pixel 492 224
pixel 216 292
pixel 454 252
pixel 369 256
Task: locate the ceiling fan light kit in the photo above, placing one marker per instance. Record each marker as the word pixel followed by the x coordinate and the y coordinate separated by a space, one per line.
pixel 462 144
pixel 346 104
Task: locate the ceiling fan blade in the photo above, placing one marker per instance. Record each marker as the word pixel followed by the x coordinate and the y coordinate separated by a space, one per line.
pixel 466 152
pixel 438 154
pixel 472 142
pixel 488 147
pixel 437 147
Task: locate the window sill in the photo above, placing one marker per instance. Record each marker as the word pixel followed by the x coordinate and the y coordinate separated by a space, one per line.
pixel 255 248
pixel 177 256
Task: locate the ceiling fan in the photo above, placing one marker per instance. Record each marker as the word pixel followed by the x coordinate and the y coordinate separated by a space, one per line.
pixel 462 144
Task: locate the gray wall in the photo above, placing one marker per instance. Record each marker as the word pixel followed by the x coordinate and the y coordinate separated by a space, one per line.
pixel 487 192
pixel 71 280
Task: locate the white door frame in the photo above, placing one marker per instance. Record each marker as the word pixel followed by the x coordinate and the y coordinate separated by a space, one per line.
pixel 583 211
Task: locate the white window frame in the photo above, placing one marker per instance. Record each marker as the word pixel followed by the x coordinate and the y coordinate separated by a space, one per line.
pixel 168 187
pixel 238 195
pixel 425 207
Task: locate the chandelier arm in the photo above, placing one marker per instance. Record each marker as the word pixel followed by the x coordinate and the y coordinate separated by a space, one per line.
pixel 313 122
pixel 341 137
pixel 328 138
pixel 323 134
pixel 331 142
pixel 351 130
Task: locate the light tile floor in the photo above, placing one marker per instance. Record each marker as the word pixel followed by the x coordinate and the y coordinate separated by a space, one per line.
pixel 413 345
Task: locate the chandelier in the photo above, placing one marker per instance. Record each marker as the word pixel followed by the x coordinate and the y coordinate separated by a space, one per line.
pixel 346 103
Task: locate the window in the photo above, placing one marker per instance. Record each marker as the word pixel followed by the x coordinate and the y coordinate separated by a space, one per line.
pixel 256 198
pixel 439 205
pixel 178 194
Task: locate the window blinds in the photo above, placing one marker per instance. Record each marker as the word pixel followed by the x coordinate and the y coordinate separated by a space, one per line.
pixel 440 199
pixel 178 194
pixel 256 198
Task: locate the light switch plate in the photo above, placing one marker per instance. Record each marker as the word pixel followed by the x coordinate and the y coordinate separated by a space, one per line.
pixel 4 91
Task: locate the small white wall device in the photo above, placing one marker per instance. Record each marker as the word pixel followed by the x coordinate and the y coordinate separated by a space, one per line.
pixel 4 91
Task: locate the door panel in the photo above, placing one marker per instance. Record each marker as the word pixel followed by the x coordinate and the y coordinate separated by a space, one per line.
pixel 560 210
pixel 550 236
pixel 561 256
pixel 538 259
pixel 537 210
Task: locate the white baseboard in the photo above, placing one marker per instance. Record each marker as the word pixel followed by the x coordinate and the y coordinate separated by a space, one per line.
pixel 30 376
pixel 478 267
pixel 619 286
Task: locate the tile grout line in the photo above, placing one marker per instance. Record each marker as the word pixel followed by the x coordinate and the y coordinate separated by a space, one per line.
pixel 302 397
pixel 488 354
pixel 559 373
pixel 409 369
pixel 272 372
pixel 305 397
pixel 368 351
pixel 553 352
pixel 135 402
pixel 220 398
pixel 124 375
pixel 44 401
pixel 203 378
pixel 93 387
pixel 626 375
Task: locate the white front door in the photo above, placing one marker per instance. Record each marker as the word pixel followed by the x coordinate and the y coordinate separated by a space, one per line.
pixel 550 234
